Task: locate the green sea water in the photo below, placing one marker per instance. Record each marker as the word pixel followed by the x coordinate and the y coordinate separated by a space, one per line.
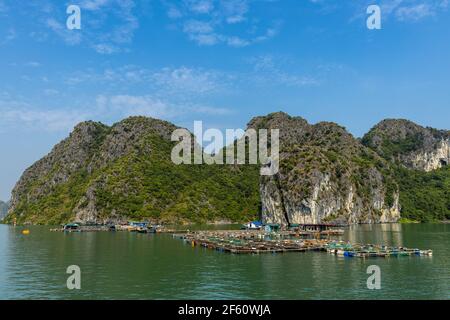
pixel 122 265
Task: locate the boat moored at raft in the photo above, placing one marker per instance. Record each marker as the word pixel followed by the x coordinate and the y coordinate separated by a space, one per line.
pixel 367 251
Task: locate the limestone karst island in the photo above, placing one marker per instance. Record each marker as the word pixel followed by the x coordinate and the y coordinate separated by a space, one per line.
pixel 110 175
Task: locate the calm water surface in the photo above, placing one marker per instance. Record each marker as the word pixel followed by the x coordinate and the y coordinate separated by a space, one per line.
pixel 125 265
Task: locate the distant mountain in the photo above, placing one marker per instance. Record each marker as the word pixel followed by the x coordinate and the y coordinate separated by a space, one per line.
pixel 124 172
pixel 3 209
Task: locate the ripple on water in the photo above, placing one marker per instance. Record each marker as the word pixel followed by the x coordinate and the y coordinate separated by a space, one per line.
pixel 133 266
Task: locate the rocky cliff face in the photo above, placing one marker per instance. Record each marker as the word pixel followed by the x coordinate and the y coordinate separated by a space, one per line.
pixel 3 209
pixel 325 175
pixel 67 158
pixel 412 145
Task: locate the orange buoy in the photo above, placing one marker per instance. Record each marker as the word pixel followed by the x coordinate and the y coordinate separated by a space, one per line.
pixel 26 232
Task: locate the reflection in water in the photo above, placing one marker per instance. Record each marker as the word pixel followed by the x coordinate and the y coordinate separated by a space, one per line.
pixel 125 265
pixel 387 234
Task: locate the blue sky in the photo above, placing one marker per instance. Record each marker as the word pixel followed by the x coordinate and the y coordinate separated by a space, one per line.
pixel 219 61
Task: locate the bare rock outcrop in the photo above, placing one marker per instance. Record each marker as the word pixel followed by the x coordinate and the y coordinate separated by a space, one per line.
pixel 410 144
pixel 325 175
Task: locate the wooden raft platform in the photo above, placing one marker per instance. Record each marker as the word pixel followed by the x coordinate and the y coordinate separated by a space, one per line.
pixel 256 242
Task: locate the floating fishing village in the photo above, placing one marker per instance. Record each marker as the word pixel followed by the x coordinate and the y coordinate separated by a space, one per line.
pixel 260 242
pixel 256 238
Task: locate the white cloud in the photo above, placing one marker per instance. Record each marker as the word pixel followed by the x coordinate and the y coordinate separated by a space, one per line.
pixel 106 108
pixel 388 7
pixel 195 26
pixel 51 120
pixel 205 35
pixel 185 79
pixel 200 6
pixel 235 10
pixel 33 64
pixel 130 23
pixel 207 22
pixel 51 92
pixel 174 13
pixel 104 48
pixel 108 26
pixel 128 105
pixel 3 7
pixel 179 81
pixel 10 36
pixel 210 110
pixel 266 70
pixel 444 4
pixel 93 4
pixel 206 39
pixel 237 42
pixel 69 36
pixel 147 105
pixel 401 10
pixel 415 12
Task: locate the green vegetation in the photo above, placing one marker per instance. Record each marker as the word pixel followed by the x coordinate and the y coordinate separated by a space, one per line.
pixel 393 138
pixel 150 186
pixel 424 196
pixel 125 172
pixel 406 220
pixel 391 148
pixel 154 187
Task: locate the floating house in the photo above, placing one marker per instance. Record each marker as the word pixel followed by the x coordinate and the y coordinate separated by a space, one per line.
pixel 315 227
pixel 272 227
pixel 254 225
pixel 138 224
pixel 71 227
pixel 155 228
pixel 323 229
pixel 294 226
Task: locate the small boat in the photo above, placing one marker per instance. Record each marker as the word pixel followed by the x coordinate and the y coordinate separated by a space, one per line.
pixel 154 228
pixel 136 226
pixel 142 230
pixel 349 254
pixel 426 253
pixel 72 227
